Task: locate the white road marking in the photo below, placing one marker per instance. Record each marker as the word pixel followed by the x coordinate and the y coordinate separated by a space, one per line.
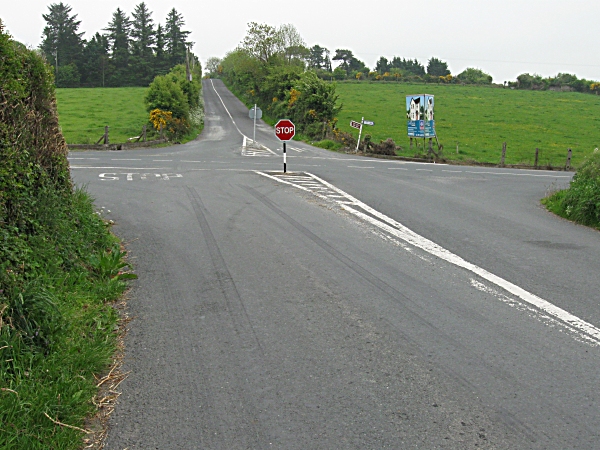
pixel 519 174
pixel 585 330
pixel 123 159
pixel 162 160
pixel 121 168
pixel 360 167
pixel 452 171
pixel 397 168
pixel 129 176
pixel 425 170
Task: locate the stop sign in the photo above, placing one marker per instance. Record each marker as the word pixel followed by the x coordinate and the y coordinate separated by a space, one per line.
pixel 285 130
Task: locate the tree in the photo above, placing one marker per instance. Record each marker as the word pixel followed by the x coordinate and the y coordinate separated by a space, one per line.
pixel 119 39
pixel 437 68
pixel 318 58
pixel 161 63
pixel 408 66
pixel 213 65
pixel 176 38
pixel 95 67
pixel 292 46
pixel 62 43
pixel 262 41
pixel 474 76
pixel 349 61
pixel 382 65
pixel 143 37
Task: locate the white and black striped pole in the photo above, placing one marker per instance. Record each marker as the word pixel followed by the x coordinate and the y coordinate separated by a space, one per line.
pixel 285 130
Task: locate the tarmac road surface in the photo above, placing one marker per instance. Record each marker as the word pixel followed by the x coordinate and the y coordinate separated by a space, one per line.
pixel 350 303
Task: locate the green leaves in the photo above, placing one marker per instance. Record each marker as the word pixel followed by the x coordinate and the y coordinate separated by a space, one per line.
pixel 110 265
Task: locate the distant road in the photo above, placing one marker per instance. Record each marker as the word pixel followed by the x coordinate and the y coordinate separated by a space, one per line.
pixel 350 303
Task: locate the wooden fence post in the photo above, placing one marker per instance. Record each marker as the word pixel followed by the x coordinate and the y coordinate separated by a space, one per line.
pixel 106 138
pixel 568 164
pixel 161 131
pixel 411 143
pixel 144 133
pixel 503 154
pixel 457 148
pixel 537 153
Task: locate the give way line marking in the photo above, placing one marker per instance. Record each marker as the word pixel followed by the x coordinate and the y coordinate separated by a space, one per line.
pixel 583 329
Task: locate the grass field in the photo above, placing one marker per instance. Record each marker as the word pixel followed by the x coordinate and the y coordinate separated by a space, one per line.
pixel 83 113
pixel 480 119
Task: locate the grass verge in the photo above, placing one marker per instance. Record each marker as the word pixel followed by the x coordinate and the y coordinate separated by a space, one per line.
pixel 581 201
pixel 58 325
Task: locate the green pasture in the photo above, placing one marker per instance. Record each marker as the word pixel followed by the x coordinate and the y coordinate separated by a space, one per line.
pixel 84 112
pixel 479 119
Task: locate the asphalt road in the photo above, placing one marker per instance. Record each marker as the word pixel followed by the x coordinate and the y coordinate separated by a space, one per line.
pixel 350 303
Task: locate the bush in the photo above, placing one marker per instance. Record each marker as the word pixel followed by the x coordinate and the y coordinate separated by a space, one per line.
pixel 166 95
pixel 581 201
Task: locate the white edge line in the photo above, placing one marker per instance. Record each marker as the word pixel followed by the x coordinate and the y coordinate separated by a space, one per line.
pixel 434 249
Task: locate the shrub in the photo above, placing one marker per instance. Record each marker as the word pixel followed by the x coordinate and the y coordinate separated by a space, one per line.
pixel 581 201
pixel 166 94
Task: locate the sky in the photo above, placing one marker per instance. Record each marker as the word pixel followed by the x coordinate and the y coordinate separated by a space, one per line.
pixel 503 38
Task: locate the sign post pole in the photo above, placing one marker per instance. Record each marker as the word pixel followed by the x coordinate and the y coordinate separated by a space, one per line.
pixel 362 121
pixel 254 134
pixel 284 159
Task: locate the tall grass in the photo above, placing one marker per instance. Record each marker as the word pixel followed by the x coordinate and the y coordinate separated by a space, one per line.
pixel 57 324
pixel 479 119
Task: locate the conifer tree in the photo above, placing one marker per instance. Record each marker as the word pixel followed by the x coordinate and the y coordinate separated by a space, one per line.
pixel 119 30
pixel 176 38
pixel 62 42
pixel 143 38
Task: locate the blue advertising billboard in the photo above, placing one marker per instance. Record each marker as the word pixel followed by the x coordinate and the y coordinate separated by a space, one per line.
pixel 420 116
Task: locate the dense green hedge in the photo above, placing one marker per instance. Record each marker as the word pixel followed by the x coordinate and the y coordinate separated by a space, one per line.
pixel 59 268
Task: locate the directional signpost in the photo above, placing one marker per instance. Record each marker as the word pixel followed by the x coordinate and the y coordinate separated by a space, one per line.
pixel 285 130
pixel 255 113
pixel 359 126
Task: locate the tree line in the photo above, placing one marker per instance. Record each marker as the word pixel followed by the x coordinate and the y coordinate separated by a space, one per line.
pixel 320 60
pixel 131 51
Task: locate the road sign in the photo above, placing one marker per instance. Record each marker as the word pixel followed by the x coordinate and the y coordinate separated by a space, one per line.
pixel 368 122
pixel 356 125
pixel 256 113
pixel 285 130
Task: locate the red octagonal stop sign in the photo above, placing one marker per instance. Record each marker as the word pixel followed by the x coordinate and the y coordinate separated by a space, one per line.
pixel 285 130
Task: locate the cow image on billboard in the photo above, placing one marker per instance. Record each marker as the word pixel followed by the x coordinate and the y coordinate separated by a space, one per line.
pixel 420 115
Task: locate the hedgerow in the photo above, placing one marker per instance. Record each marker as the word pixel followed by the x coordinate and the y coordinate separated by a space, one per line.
pixel 57 268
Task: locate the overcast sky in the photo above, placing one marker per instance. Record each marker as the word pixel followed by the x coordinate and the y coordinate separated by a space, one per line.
pixel 503 38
